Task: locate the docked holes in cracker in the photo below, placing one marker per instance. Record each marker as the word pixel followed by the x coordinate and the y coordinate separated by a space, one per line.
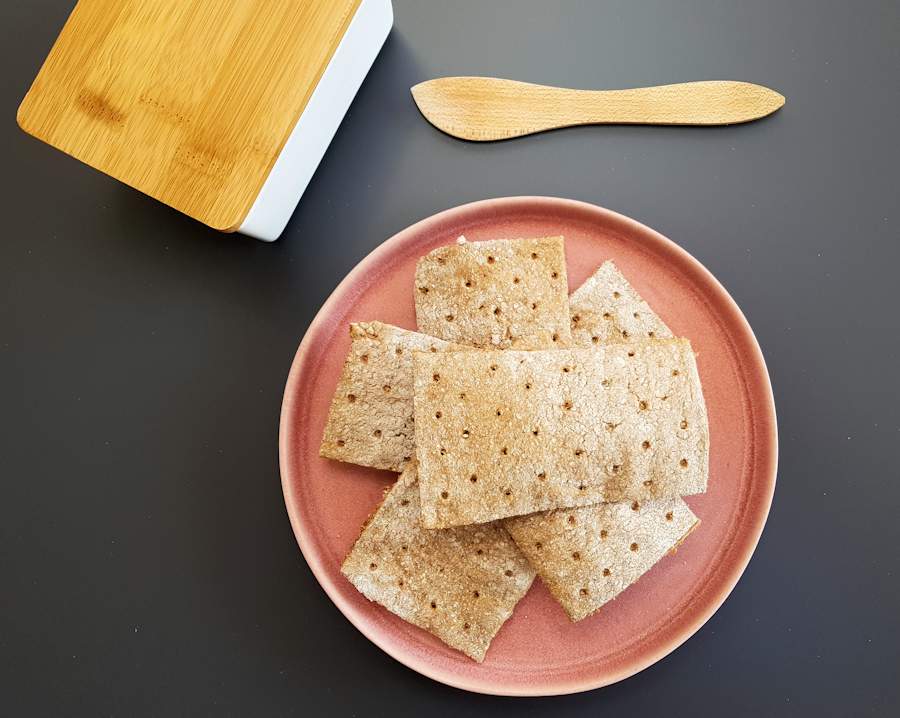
pixel 508 283
pixel 370 421
pixel 608 561
pixel 433 572
pixel 609 309
pixel 618 466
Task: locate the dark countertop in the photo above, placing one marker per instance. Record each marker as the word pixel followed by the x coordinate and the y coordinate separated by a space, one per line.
pixel 148 566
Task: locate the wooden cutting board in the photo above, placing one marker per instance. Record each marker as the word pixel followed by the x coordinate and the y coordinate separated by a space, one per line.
pixel 189 102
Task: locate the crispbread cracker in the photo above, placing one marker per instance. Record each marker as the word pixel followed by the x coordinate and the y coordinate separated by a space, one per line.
pixel 589 555
pixel 459 584
pixel 606 308
pixel 371 417
pixel 508 433
pixel 496 294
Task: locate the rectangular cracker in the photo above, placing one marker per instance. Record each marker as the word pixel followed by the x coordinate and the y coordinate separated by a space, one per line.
pixel 508 433
pixel 371 417
pixel 497 294
pixel 460 584
pixel 606 308
pixel 588 556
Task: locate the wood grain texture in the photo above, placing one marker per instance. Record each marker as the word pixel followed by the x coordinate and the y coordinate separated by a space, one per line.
pixel 189 102
pixel 487 108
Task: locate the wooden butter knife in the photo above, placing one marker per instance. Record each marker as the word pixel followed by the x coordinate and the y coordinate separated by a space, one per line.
pixel 488 108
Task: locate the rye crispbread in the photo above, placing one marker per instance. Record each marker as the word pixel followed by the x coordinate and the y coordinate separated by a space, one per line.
pixel 589 555
pixel 606 309
pixel 459 584
pixel 495 294
pixel 510 432
pixel 371 417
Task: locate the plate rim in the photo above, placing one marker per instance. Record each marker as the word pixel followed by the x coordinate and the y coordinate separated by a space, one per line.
pixel 761 379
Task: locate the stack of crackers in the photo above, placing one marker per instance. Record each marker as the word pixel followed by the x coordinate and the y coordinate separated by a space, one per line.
pixel 535 434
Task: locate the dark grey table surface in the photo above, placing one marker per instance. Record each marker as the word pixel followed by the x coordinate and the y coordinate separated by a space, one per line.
pixel 147 566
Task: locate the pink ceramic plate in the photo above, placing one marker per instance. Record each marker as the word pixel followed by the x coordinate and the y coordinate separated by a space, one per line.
pixel 538 651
